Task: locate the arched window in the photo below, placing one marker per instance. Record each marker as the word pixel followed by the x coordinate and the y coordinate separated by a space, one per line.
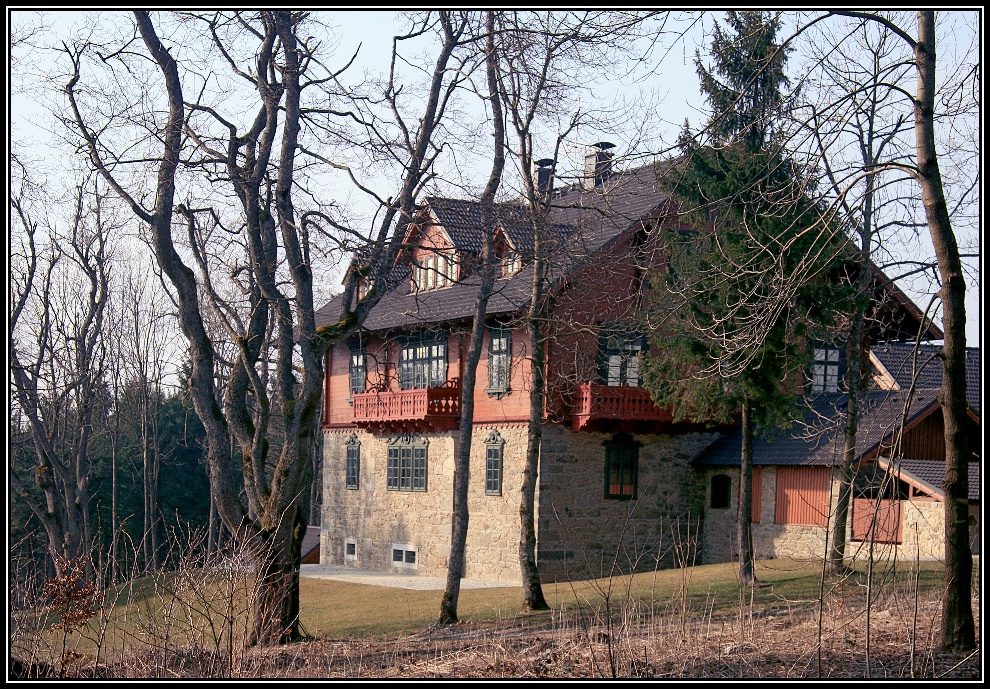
pixel 721 491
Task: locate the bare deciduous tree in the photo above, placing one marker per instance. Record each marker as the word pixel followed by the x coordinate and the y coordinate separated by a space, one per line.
pixel 487 271
pixel 920 162
pixel 250 272
pixel 58 352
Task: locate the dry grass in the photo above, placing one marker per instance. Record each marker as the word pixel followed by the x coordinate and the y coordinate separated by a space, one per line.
pixel 693 622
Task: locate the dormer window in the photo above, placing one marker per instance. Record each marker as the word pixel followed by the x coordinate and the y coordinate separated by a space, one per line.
pixel 510 264
pixel 364 286
pixel 433 271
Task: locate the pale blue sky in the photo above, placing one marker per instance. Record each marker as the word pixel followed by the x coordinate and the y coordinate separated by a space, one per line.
pixel 671 88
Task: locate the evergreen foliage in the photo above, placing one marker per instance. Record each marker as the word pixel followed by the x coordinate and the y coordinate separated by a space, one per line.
pixel 745 285
pixel 183 485
pixel 740 303
pixel 745 87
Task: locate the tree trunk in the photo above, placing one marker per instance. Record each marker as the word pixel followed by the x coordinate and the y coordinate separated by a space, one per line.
pixel 533 598
pixel 958 631
pixel 462 462
pixel 743 530
pixel 276 606
pixel 855 381
pixel 114 525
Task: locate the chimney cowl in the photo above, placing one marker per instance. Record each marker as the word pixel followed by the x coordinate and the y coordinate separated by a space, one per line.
pixel 544 176
pixel 598 164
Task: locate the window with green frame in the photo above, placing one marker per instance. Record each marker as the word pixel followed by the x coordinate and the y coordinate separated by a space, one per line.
pixel 357 370
pixel 407 464
pixel 494 452
pixel 352 471
pixel 621 467
pixel 620 359
pixel 423 362
pixel 826 368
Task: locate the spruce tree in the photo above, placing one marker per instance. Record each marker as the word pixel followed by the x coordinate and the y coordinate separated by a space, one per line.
pixel 742 296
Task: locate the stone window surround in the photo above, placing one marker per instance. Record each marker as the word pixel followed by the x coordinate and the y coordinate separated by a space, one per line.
pixel 352 468
pixel 409 558
pixel 494 463
pixel 416 451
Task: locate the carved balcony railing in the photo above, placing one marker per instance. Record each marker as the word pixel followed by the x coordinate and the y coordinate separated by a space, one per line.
pixel 599 407
pixel 423 410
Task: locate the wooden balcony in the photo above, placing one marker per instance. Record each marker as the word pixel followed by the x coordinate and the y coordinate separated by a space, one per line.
pixel 409 411
pixel 601 407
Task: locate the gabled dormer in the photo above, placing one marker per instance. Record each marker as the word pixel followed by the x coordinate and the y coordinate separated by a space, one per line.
pixel 433 258
pixel 507 253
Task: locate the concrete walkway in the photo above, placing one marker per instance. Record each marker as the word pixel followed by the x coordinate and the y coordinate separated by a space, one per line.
pixel 392 579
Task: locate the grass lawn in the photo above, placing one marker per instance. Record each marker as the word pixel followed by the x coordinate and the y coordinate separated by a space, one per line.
pixel 338 610
pixel 195 622
pixel 178 609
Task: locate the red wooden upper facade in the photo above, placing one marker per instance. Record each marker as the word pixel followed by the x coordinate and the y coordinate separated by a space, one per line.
pixel 402 373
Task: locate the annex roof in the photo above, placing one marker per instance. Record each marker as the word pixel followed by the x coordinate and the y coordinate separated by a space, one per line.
pixel 818 439
pixel 929 475
pixel 900 361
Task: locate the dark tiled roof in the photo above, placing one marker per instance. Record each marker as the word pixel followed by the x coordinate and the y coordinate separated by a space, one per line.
pixel 899 360
pixel 584 221
pixel 818 440
pixel 402 307
pixel 931 474
pixel 462 221
pixel 311 539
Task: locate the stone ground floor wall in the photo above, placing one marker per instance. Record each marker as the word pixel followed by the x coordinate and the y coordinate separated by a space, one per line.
pixel 922 528
pixel 581 533
pixel 376 520
pixel 770 540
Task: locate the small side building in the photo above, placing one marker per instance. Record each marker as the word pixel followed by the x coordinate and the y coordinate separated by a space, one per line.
pixel 897 507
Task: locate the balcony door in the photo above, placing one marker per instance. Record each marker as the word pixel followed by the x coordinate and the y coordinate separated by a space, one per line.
pixel 423 363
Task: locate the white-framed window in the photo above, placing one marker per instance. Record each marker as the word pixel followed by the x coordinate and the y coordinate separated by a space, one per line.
pixel 510 264
pixel 433 271
pixel 451 268
pixel 364 285
pixel 404 556
pixel 826 369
